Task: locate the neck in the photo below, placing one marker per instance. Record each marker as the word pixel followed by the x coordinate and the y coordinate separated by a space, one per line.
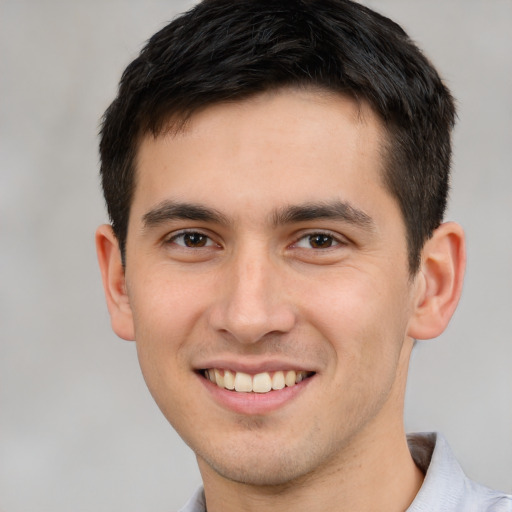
pixel 381 475
pixel 374 472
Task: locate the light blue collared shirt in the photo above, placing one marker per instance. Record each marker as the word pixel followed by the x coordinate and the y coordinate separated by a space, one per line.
pixel 445 489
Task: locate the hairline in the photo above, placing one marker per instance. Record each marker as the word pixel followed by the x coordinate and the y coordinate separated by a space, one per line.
pixel 177 122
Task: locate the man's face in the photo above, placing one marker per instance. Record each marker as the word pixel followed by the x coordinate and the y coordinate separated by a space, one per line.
pixel 262 242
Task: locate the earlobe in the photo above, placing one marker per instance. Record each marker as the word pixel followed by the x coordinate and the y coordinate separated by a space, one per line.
pixel 439 281
pixel 114 284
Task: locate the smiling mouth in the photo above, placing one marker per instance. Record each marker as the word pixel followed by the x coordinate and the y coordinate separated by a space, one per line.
pixel 260 383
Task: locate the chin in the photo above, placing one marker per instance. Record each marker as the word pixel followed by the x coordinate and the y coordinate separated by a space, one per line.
pixel 264 465
pixel 258 473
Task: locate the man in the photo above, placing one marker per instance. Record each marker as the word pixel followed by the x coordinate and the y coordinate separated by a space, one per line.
pixel 276 175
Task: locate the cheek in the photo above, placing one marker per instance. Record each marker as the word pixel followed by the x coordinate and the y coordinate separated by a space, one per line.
pixel 166 312
pixel 166 304
pixel 364 318
pixel 366 330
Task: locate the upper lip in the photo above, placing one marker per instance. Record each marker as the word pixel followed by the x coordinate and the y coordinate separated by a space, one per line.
pixel 253 367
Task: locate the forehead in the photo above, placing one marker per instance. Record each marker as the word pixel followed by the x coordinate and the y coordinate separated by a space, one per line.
pixel 286 146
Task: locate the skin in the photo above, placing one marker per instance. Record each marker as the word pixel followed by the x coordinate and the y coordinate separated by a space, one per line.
pixel 254 290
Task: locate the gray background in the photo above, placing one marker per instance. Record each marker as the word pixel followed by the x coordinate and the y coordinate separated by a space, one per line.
pixel 78 430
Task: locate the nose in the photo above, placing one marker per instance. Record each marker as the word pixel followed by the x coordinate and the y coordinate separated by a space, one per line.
pixel 252 302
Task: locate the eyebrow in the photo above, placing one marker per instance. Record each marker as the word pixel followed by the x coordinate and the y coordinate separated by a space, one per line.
pixel 335 210
pixel 173 210
pixel 169 210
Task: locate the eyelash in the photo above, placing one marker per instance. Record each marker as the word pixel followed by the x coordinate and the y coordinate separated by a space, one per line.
pixel 333 240
pixel 183 234
pixel 329 238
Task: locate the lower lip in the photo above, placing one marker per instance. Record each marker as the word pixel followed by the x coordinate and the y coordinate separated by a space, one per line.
pixel 254 403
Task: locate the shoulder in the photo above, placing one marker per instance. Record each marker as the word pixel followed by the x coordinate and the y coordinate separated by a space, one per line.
pixel 446 488
pixel 484 499
pixel 196 503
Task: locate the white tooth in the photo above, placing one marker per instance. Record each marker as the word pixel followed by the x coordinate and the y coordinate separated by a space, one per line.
pixel 261 383
pixel 219 378
pixel 243 382
pixel 211 375
pixel 229 380
pixel 301 376
pixel 290 378
pixel 278 380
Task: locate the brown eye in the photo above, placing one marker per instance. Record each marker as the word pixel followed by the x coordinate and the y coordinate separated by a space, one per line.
pixel 192 240
pixel 320 241
pixel 317 241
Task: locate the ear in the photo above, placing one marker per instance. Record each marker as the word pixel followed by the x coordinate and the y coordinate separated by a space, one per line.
pixel 114 284
pixel 438 284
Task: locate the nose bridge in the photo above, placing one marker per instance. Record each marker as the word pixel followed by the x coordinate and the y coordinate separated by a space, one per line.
pixel 253 301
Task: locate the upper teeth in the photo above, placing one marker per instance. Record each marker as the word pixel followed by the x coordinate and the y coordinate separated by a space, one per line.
pixel 259 383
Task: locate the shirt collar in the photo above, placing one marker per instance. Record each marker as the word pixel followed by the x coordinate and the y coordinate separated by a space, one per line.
pixel 444 482
pixel 445 487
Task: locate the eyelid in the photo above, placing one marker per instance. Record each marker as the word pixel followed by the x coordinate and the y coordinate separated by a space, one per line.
pixel 171 237
pixel 326 232
pixel 339 239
